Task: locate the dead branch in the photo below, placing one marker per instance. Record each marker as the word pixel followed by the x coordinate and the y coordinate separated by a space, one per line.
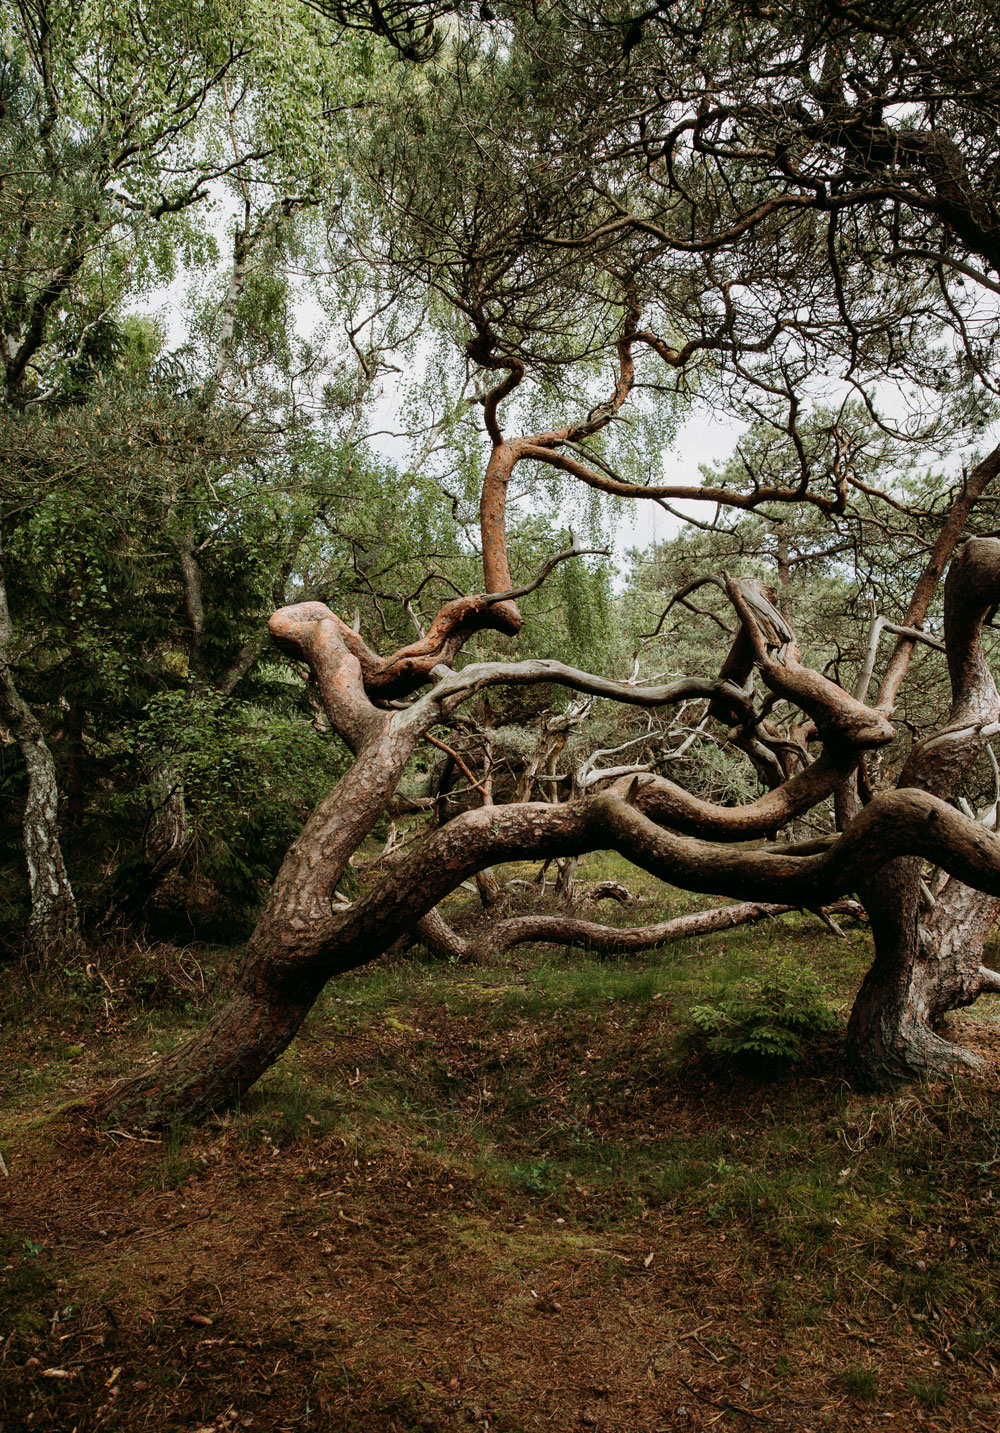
pixel 443 746
pixel 609 940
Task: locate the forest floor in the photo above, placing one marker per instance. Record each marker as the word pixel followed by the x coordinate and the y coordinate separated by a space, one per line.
pixel 501 1198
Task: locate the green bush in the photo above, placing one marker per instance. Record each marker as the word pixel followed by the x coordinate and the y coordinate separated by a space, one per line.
pixel 770 1020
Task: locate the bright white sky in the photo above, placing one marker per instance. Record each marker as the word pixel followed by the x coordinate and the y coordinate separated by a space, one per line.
pixel 703 439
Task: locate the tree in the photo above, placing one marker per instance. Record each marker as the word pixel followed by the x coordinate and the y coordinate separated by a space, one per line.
pixel 119 126
pixel 712 204
pixel 302 938
pixel 755 179
pixel 149 538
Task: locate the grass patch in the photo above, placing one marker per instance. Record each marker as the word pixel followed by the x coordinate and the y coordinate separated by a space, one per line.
pixel 507 1196
pixel 930 1392
pixel 859 1382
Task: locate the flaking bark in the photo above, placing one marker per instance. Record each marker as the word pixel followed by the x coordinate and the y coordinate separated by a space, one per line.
pixel 926 964
pixel 53 919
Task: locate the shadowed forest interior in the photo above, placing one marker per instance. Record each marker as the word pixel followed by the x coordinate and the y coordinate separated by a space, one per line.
pixel 498 905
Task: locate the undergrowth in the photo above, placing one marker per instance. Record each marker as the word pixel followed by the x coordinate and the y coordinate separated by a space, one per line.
pixel 526 1149
pixel 770 1020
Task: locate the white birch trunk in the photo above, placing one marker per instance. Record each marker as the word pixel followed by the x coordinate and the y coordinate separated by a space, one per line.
pixel 53 919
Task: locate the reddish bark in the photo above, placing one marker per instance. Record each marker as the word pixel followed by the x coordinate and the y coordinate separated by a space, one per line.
pixel 304 937
pixel 839 718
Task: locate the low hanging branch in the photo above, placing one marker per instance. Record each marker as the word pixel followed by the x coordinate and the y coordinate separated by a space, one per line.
pixel 304 937
pixel 608 940
pixel 307 628
pixel 612 940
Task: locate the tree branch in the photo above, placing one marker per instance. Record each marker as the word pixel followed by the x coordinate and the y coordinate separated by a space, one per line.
pixel 610 940
pixel 894 824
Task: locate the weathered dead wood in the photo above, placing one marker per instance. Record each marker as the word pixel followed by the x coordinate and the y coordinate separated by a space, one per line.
pixel 609 940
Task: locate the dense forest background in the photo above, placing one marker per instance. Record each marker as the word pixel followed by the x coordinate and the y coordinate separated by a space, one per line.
pixel 462 964
pixel 188 445
pixel 210 335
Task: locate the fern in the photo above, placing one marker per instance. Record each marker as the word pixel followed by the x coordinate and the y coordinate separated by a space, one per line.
pixel 769 1020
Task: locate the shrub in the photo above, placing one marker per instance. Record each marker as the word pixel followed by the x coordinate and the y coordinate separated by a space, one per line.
pixel 770 1020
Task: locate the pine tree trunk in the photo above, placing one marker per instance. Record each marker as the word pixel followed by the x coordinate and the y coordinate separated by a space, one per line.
pixel 926 964
pixel 214 1069
pixel 889 1037
pixel 280 976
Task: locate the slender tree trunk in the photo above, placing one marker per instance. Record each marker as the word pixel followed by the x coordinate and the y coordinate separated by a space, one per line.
pixel 486 881
pixel 73 785
pixel 566 879
pixel 168 833
pixel 53 919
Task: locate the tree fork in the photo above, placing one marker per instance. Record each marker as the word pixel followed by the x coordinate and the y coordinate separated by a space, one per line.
pixel 926 965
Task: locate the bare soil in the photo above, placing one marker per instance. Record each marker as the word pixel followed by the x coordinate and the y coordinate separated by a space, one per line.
pixel 469 1201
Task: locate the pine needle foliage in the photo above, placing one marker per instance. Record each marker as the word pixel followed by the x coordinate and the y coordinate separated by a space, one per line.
pixel 769 1021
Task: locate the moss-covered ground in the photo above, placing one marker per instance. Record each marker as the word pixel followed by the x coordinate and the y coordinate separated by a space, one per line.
pixel 506 1197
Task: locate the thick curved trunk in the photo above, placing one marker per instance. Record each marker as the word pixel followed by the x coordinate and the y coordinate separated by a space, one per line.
pixel 890 1038
pixel 216 1067
pixel 281 974
pixel 929 961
